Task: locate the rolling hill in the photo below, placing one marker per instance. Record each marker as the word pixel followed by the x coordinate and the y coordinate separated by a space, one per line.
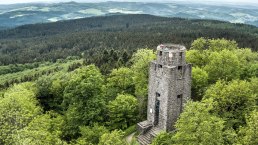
pixel 109 41
pixel 20 14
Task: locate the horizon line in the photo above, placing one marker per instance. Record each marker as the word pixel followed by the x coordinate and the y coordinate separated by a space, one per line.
pixel 211 2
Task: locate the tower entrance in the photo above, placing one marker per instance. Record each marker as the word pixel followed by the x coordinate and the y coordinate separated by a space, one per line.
pixel 179 104
pixel 156 118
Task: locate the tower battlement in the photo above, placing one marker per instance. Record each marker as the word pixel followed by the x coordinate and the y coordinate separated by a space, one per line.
pixel 171 54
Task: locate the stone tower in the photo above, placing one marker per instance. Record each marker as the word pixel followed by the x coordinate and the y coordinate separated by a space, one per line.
pixel 169 89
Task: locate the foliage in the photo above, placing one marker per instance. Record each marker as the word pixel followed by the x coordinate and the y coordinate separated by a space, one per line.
pixel 91 135
pixel 254 86
pixel 83 100
pixel 108 59
pixel 123 111
pixel 113 138
pixel 18 107
pixel 163 138
pixel 43 130
pixel 119 81
pixel 251 70
pixel 248 134
pixel 79 106
pixel 31 74
pixel 230 136
pixel 221 59
pixel 130 130
pixel 232 98
pixel 197 126
pixel 141 60
pixel 248 62
pixel 197 58
pixel 12 68
pixel 219 56
pixel 51 90
pixel 232 101
pixel 218 45
pixel 199 82
pixel 90 37
pixel 223 65
pixel 140 67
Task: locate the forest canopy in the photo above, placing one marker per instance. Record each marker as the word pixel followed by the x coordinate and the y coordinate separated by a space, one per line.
pixel 77 104
pixel 110 41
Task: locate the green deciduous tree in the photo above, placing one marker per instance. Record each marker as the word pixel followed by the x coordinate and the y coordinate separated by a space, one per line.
pixel 248 135
pixel 91 135
pixel 232 101
pixel 254 86
pixel 119 81
pixel 140 67
pixel 222 59
pixel 221 44
pixel 113 138
pixel 18 107
pixel 199 82
pixel 51 90
pixel 213 44
pixel 163 138
pixel 197 125
pixel 200 44
pixel 43 130
pixel 123 111
pixel 248 62
pixel 83 99
pixel 223 65
pixel 251 70
pixel 197 57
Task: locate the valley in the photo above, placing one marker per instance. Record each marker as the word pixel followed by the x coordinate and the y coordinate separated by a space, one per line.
pixel 20 14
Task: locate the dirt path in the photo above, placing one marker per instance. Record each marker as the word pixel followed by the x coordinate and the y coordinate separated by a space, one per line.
pixel 129 138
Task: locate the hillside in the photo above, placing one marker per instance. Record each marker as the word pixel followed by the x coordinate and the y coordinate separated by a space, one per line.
pixel 112 39
pixel 20 14
pixel 12 74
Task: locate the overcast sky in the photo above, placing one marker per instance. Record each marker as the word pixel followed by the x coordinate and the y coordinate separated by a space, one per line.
pixel 203 1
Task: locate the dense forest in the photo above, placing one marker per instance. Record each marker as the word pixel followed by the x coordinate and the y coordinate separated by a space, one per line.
pixel 110 41
pixel 77 104
pixel 84 82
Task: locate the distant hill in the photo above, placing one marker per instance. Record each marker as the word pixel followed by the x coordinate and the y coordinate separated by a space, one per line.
pixel 20 14
pixel 112 39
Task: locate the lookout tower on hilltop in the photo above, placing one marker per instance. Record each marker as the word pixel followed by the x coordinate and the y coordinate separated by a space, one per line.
pixel 169 88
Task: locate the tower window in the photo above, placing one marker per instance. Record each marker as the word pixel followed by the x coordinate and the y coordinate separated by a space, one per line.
pixel 160 53
pixel 180 72
pixel 181 55
pixel 157 96
pixel 179 96
pixel 180 102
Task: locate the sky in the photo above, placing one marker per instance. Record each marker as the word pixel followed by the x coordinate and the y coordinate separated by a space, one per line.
pixel 201 1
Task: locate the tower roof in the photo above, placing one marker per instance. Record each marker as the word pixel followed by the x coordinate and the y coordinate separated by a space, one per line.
pixel 170 47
